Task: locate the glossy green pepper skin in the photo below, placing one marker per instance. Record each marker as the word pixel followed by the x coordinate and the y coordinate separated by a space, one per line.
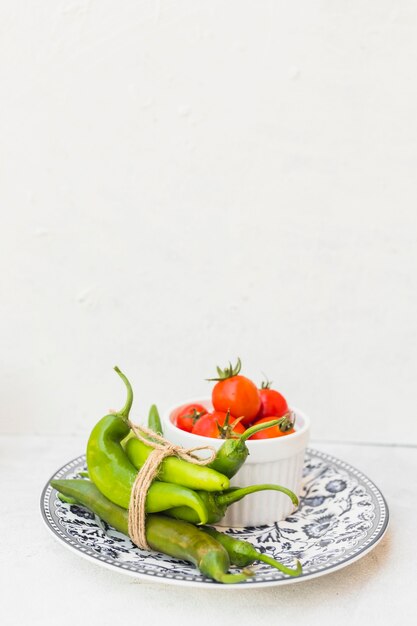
pixel 84 492
pixel 108 466
pixel 154 420
pixel 217 503
pixel 161 496
pixel 111 471
pixel 176 538
pixel 242 553
pixel 180 539
pixel 233 453
pixel 178 471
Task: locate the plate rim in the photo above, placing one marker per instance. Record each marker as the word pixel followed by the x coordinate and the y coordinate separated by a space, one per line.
pixel 208 583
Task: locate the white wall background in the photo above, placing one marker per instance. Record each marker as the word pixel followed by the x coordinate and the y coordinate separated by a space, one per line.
pixel 182 182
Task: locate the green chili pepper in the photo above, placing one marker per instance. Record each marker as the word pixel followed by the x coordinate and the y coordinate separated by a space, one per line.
pixel 154 421
pixel 233 453
pixel 108 466
pixel 217 503
pixel 178 471
pixel 111 471
pixel 85 493
pixel 173 537
pixel 67 499
pixel 242 553
pixel 180 539
pixel 160 497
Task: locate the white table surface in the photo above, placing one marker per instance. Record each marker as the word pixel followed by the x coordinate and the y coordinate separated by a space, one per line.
pixel 44 583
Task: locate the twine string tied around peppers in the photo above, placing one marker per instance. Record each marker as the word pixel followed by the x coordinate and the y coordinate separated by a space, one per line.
pixel 162 448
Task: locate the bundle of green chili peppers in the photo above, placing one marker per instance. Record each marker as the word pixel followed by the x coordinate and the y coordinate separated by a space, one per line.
pixel 189 495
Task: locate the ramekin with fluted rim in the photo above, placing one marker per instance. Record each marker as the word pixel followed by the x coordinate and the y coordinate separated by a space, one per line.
pixel 277 460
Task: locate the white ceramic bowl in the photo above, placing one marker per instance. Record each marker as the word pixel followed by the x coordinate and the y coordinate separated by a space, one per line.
pixel 279 460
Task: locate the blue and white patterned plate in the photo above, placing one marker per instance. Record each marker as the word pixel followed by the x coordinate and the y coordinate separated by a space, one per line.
pixel 342 516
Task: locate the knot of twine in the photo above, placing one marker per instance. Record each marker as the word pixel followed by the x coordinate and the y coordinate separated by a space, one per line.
pixel 162 449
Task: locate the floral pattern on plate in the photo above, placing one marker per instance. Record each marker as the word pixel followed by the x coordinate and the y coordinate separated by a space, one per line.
pixel 342 515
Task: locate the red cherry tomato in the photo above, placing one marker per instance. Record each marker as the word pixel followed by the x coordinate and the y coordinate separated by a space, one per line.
pixel 272 403
pixel 187 415
pixel 217 425
pixel 236 393
pixel 240 395
pixel 285 428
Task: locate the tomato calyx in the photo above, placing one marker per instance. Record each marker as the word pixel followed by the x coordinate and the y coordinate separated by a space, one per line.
pixel 227 372
pixel 194 415
pixel 266 384
pixel 227 430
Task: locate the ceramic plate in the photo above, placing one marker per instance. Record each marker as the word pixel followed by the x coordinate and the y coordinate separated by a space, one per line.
pixel 342 516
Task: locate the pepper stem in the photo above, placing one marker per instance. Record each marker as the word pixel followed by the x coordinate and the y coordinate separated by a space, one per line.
pixel 234 578
pixel 256 428
pixel 126 409
pixel 296 571
pixel 237 493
